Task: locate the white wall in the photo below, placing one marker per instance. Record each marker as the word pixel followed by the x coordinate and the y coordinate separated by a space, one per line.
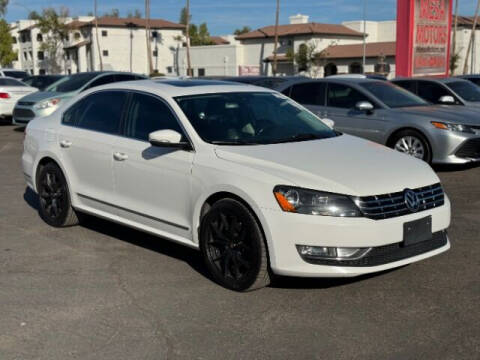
pixel 217 60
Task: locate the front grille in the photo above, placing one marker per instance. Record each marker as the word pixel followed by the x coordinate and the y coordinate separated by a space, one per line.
pixel 23 113
pixel 387 206
pixel 26 103
pixel 388 253
pixel 470 149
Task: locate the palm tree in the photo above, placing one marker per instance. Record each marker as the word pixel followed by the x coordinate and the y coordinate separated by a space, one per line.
pixel 96 35
pixel 275 46
pixel 147 33
pixel 472 36
pixel 187 32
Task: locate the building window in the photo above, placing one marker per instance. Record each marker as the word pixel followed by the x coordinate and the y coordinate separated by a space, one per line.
pixel 169 69
pixel 154 34
pixel 355 68
pixel 104 33
pixel 14 39
pixel 39 37
pixel 69 71
pixel 25 56
pixel 105 52
pixel 201 72
pixel 155 53
pixel 41 72
pixel 77 35
pixel 67 55
pixel 31 54
pixel 331 69
pixel 40 55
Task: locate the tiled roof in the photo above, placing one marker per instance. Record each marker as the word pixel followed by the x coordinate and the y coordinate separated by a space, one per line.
pixel 76 24
pixel 300 29
pixel 219 40
pixel 356 50
pixel 467 21
pixel 139 22
pixel 78 45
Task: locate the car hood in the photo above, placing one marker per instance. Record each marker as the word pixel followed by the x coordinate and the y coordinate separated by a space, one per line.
pixel 44 95
pixel 465 115
pixel 344 164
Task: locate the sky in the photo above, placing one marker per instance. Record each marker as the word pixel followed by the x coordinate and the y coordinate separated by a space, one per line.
pixel 224 16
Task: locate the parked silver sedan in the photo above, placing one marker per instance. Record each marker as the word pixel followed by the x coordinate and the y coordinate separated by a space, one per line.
pixel 387 114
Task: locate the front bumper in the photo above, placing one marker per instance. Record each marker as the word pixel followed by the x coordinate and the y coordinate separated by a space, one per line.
pixel 285 231
pixel 451 147
pixel 23 114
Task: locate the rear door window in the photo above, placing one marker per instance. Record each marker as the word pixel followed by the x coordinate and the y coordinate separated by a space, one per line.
pixel 408 85
pixel 312 93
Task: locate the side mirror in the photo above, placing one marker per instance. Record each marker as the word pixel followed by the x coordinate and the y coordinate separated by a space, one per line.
pixel 329 122
pixel 364 106
pixel 168 138
pixel 447 99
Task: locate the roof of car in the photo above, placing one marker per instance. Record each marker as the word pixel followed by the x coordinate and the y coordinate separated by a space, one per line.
pixel 173 88
pixel 471 76
pixel 433 79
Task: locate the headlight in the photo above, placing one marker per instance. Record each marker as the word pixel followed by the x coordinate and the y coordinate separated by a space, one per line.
pixel 311 202
pixel 453 127
pixel 47 104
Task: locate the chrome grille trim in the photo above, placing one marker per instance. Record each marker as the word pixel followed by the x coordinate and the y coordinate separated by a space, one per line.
pixel 385 206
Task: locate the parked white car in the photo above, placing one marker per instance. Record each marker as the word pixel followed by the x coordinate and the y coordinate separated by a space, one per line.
pixel 253 180
pixel 11 90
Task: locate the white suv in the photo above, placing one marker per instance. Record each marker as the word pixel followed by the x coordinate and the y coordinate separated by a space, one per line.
pixel 255 181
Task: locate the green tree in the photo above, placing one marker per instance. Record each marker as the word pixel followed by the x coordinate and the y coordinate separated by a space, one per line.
pixel 199 35
pixel 183 16
pixel 135 14
pixel 113 13
pixel 7 55
pixel 52 24
pixel 243 30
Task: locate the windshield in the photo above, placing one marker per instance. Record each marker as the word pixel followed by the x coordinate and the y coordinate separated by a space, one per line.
pixel 15 74
pixel 41 82
pixel 245 118
pixel 10 82
pixel 72 82
pixel 466 90
pixel 392 95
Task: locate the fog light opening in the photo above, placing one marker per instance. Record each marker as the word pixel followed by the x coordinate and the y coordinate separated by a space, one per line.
pixel 332 253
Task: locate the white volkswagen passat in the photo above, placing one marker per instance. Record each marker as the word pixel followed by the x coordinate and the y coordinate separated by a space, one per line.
pixel 253 180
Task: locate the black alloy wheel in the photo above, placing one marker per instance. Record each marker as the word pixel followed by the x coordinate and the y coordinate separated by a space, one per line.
pixel 233 246
pixel 54 199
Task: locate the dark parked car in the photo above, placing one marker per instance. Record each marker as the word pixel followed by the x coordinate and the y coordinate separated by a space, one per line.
pixel 270 82
pixel 446 91
pixel 387 114
pixel 41 82
pixel 474 78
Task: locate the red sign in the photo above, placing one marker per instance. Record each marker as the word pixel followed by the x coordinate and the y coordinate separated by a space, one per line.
pixel 252 70
pixel 423 37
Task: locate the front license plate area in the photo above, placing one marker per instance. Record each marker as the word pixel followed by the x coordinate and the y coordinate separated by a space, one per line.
pixel 417 231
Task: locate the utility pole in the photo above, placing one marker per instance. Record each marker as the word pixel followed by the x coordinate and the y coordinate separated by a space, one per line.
pixel 275 46
pixel 454 40
pixel 147 34
pixel 364 35
pixel 187 32
pixel 472 36
pixel 96 35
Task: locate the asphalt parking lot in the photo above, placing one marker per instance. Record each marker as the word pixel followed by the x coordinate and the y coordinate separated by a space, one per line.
pixel 103 291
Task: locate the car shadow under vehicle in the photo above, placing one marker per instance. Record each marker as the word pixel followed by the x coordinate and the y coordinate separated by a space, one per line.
pixel 455 167
pixel 190 256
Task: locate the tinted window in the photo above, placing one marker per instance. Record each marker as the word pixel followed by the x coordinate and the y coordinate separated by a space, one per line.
pixel 126 77
pixel 147 114
pixel 309 93
pixel 247 118
pixel 343 96
pixel 107 79
pixel 407 85
pixel 269 83
pixel 476 81
pixel 10 82
pixel 72 82
pixel 101 111
pixel 431 91
pixel 41 82
pixel 466 90
pixel 392 95
pixel 15 74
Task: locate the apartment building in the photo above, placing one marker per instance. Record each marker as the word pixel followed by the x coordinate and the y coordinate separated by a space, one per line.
pixel 120 45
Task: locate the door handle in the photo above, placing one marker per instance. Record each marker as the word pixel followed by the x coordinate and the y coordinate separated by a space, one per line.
pixel 120 156
pixel 65 143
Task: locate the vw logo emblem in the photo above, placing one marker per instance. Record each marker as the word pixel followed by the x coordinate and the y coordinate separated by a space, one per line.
pixel 411 200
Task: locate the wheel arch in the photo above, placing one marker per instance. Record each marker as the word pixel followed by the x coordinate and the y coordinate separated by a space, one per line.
pixel 41 162
pixel 404 128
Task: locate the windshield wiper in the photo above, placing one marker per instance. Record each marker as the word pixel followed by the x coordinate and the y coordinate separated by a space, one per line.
pixel 234 142
pixel 298 137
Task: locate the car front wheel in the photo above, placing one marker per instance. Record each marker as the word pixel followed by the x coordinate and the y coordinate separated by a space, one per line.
pixel 55 207
pixel 412 143
pixel 233 246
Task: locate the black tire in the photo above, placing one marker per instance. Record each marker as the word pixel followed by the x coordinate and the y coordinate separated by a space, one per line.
pixel 417 138
pixel 233 246
pixel 55 207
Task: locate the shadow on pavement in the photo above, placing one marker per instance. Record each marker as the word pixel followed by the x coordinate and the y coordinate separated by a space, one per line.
pixel 455 168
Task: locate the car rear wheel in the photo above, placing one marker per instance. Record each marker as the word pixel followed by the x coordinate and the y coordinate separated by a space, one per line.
pixel 233 246
pixel 55 207
pixel 412 143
